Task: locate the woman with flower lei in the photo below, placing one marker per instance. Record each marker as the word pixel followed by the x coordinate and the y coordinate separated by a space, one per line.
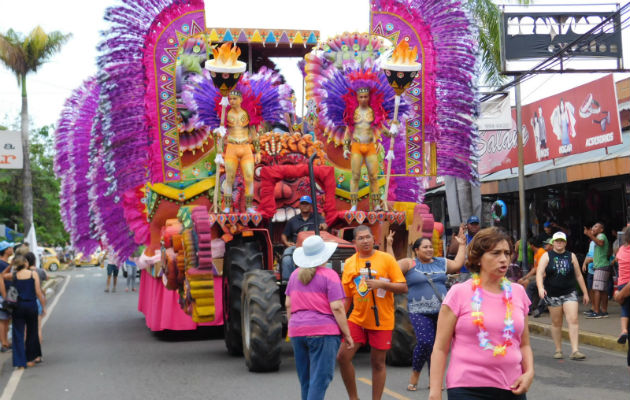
pixel 484 321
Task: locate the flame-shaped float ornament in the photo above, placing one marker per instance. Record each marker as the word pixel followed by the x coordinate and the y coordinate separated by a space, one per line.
pixel 402 68
pixel 225 69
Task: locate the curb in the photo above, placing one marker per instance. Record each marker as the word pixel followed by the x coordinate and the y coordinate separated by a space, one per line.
pixel 592 339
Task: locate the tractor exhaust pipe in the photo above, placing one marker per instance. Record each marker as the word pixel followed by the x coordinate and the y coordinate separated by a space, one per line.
pixel 311 174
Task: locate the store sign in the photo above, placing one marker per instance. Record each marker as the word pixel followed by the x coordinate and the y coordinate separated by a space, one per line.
pixel 541 35
pixel 578 120
pixel 495 114
pixel 10 150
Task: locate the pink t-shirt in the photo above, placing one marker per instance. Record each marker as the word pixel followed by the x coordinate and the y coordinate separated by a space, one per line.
pixel 623 259
pixel 470 365
pixel 310 304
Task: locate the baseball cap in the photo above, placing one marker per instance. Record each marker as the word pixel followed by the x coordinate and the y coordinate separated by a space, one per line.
pixel 5 245
pixel 547 224
pixel 558 236
pixel 473 220
pixel 306 199
pixel 548 241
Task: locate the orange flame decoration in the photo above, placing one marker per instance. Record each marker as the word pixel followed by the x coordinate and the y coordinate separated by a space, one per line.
pixel 226 55
pixel 402 55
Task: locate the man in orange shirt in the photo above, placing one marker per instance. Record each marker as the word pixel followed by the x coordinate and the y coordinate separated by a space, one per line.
pixel 529 280
pixel 372 293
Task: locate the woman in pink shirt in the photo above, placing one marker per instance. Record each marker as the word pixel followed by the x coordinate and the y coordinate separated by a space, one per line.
pixel 623 260
pixel 483 321
pixel 317 316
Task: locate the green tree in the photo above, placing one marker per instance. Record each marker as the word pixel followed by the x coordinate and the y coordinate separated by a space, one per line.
pixel 24 55
pixel 488 17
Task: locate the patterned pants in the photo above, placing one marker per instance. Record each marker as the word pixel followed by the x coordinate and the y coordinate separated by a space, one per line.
pixel 424 326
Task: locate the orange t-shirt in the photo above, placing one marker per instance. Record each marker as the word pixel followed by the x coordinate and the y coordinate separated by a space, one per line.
pixel 537 256
pixel 384 267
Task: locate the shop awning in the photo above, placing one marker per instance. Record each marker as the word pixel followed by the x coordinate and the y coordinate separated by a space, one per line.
pixel 611 161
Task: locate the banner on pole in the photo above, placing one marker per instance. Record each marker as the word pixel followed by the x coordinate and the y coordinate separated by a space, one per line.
pixel 11 150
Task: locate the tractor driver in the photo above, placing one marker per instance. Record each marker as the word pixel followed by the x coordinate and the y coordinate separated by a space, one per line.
pixel 305 221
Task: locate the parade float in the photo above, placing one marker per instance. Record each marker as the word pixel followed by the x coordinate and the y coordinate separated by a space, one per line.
pixel 172 146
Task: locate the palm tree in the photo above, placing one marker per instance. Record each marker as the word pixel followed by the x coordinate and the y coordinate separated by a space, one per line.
pixel 488 16
pixel 23 55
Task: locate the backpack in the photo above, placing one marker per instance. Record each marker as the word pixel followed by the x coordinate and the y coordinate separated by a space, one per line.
pixel 11 301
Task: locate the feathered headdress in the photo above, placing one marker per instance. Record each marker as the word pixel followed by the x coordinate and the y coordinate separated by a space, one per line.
pixel 264 98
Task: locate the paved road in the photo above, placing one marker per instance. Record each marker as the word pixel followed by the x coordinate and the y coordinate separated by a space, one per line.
pixel 96 346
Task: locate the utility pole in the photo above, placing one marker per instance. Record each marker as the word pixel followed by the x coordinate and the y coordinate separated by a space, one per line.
pixel 521 175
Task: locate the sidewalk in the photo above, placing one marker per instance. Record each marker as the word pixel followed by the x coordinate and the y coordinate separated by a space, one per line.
pixel 595 332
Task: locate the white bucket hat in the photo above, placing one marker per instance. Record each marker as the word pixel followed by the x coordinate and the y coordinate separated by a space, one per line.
pixel 314 252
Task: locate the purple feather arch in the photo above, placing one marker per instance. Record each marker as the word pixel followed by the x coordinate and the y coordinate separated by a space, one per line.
pixel 447 95
pixel 72 163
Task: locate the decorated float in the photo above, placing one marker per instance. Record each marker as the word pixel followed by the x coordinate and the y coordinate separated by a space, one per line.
pixel 186 142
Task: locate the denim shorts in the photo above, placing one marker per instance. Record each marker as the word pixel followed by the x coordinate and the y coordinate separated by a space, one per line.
pixel 112 269
pixel 560 300
pixel 589 281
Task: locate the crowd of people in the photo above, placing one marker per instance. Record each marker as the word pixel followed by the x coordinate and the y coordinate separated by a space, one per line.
pixel 23 309
pixel 481 320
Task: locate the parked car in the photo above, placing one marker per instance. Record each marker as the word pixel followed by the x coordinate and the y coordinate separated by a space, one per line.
pixel 95 259
pixel 48 258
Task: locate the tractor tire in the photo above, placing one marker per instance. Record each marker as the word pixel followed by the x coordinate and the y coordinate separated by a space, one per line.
pixel 403 336
pixel 261 320
pixel 53 267
pixel 240 257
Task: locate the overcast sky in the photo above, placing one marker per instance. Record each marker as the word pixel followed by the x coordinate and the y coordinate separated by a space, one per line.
pixel 53 83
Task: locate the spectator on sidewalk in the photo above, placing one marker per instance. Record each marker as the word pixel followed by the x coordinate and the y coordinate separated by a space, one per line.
pixel 621 296
pixel 112 270
pixel 477 320
pixel 472 227
pixel 587 268
pixel 30 257
pixel 556 276
pixel 132 268
pixel 529 281
pixel 623 260
pixel 6 252
pixel 601 274
pixel 317 316
pixel 26 352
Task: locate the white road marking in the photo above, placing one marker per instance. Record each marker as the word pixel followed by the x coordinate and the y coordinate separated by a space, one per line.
pixel 16 375
pixel 99 274
pixel 79 276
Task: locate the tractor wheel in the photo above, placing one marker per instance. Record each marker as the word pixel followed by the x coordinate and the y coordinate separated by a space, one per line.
pixel 53 267
pixel 240 257
pixel 403 337
pixel 261 320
